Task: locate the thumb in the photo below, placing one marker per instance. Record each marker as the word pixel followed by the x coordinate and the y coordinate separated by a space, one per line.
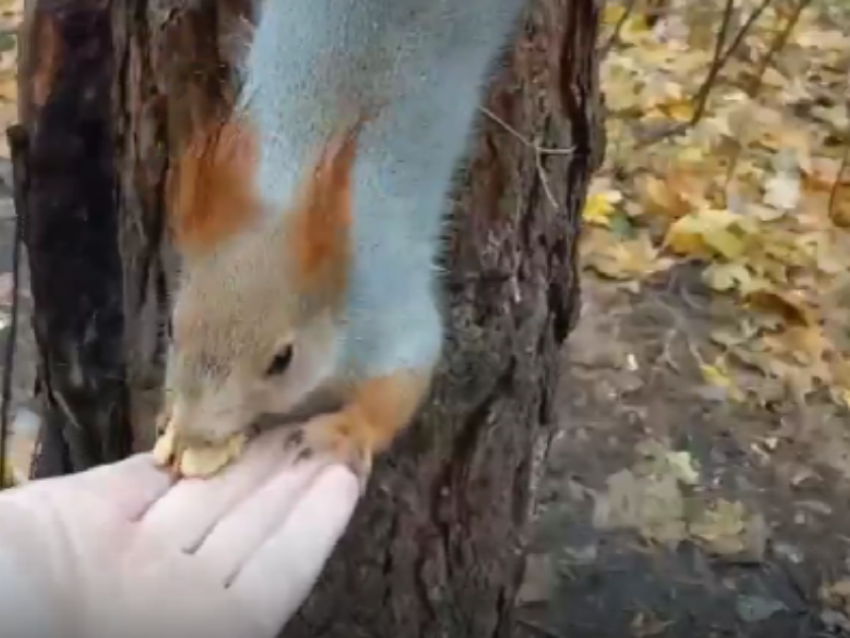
pixel 128 487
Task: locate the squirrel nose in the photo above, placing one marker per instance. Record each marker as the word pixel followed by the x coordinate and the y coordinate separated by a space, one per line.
pixel 199 425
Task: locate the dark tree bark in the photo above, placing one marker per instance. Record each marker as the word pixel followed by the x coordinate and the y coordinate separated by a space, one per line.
pixel 71 224
pixel 110 90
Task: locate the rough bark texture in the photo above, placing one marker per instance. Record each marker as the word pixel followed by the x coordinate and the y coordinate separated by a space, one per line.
pixel 70 230
pixel 436 546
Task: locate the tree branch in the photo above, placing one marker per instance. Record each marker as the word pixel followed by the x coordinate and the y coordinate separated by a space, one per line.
pixel 721 57
pixel 776 46
pixel 615 36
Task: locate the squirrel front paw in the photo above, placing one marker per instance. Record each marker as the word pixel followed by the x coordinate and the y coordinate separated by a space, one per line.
pixel 340 435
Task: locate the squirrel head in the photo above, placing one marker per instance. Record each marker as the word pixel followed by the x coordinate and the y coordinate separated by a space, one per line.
pixel 256 315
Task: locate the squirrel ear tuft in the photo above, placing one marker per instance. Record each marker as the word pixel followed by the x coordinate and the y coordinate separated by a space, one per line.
pixel 210 187
pixel 320 234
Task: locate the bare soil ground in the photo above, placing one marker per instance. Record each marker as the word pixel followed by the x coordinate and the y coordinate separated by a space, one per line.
pixel 669 512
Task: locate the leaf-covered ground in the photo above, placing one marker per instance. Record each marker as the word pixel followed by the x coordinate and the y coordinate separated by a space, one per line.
pixel 757 192
pixel 698 485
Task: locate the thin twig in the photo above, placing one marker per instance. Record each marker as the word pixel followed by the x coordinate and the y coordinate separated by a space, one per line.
pixel 776 46
pixel 539 152
pixel 537 149
pixel 704 90
pixel 718 62
pixel 544 180
pixel 745 29
pixel 615 36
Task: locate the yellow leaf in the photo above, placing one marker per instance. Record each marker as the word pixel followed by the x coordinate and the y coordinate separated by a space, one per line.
pixel 730 276
pixel 681 238
pixel 599 207
pixel 634 29
pixel 613 13
pixel 682 111
pixel 621 259
pixel 678 194
pixel 724 242
pixel 704 233
pixel 715 375
pixel 691 154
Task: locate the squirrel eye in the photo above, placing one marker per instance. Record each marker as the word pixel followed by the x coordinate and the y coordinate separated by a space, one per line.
pixel 281 362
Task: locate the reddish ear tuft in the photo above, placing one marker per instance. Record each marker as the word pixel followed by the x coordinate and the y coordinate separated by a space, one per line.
pixel 320 233
pixel 213 197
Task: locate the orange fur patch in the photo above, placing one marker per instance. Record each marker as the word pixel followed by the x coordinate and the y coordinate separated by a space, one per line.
pixel 213 196
pixel 319 237
pixel 377 411
pixel 383 406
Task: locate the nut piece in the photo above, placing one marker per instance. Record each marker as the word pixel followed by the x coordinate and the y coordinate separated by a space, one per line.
pixel 199 462
pixel 205 461
pixel 163 450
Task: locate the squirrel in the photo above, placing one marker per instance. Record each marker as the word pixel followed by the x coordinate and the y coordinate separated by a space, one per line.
pixel 309 223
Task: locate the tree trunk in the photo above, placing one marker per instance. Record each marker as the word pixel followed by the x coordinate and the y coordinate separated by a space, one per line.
pixel 71 223
pixel 109 89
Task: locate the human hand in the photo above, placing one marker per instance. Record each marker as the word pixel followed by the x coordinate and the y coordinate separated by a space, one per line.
pixel 122 550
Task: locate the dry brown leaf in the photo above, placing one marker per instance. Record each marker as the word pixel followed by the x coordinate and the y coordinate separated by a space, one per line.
pixel 791 306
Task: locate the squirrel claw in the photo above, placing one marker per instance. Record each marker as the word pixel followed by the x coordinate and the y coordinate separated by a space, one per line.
pixel 335 435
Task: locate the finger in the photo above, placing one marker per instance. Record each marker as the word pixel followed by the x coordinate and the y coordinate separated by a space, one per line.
pixel 184 516
pixel 297 552
pixel 245 527
pixel 130 486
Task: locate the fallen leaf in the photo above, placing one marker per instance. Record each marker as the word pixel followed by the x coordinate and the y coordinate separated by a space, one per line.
pixel 600 206
pixel 652 505
pixel 753 609
pixel 783 192
pixel 725 277
pixel 706 233
pixel 621 259
pixel 791 306
pixel 721 528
